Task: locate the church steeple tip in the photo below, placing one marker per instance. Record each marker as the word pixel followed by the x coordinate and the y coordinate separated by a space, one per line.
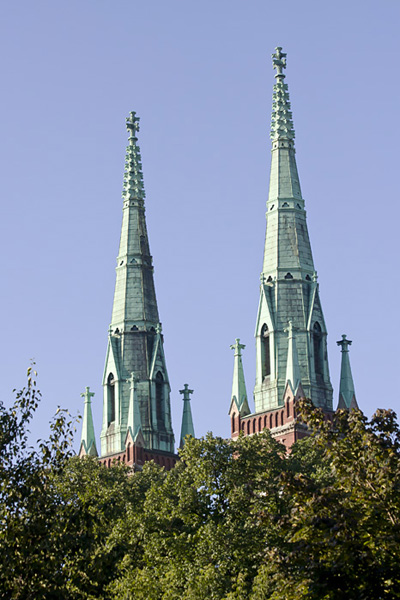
pixel 281 122
pixel 133 176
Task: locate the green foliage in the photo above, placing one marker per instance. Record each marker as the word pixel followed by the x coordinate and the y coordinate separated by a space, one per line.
pixel 233 520
pixel 342 536
pixel 203 534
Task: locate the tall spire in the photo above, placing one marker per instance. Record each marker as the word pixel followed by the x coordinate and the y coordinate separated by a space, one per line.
pixel 187 420
pixel 88 441
pixel 135 342
pixel 239 394
pixel 347 394
pixel 135 297
pixel 289 290
pixel 292 365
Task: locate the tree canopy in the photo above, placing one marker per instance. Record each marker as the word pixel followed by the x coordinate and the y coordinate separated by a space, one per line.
pixel 233 520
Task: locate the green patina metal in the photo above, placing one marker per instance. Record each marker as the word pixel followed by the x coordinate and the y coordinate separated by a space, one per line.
pixel 292 365
pixel 88 442
pixel 135 341
pixel 289 289
pixel 239 401
pixel 347 394
pixel 134 425
pixel 187 420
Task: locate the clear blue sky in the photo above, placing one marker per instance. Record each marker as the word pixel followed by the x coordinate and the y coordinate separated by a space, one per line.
pixel 199 75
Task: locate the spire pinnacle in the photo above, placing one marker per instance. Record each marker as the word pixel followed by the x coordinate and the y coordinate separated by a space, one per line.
pixel 281 123
pixel 292 365
pixel 133 177
pixel 134 419
pixel 347 395
pixel 239 394
pixel 88 442
pixel 187 420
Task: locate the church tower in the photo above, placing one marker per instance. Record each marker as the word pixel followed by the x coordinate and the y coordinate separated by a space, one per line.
pixel 136 390
pixel 291 345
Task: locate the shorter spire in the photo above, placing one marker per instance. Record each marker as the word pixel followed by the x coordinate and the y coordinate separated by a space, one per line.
pixel 239 394
pixel 88 442
pixel 292 365
pixel 134 419
pixel 133 176
pixel 187 420
pixel 347 394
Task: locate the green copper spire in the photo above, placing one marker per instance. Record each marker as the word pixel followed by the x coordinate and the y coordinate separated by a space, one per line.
pixel 239 394
pixel 292 365
pixel 347 394
pixel 135 297
pixel 289 289
pixel 135 341
pixel 88 442
pixel 187 420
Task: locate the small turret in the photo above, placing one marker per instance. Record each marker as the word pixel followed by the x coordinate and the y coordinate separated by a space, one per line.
pixel 239 394
pixel 187 420
pixel 347 394
pixel 88 442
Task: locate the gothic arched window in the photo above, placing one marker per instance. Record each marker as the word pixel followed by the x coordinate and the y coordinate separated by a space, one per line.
pixel 160 398
pixel 317 343
pixel 111 398
pixel 265 352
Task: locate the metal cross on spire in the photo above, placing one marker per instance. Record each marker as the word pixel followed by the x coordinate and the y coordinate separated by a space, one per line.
pixel 344 343
pixel 279 61
pixel 186 392
pixel 87 395
pixel 132 123
pixel 237 347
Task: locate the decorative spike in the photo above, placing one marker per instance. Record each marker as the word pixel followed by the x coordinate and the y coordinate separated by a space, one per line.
pixel 134 419
pixel 187 420
pixel 88 442
pixel 239 394
pixel 281 121
pixel 347 394
pixel 292 365
pixel 133 188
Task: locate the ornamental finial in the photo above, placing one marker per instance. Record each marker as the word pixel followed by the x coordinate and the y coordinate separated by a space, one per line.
pixel 132 124
pixel 237 347
pixel 344 343
pixel 279 61
pixel 186 392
